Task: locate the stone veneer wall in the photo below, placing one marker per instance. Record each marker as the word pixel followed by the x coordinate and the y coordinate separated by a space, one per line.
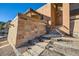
pixel 28 30
pixel 21 35
pixel 24 30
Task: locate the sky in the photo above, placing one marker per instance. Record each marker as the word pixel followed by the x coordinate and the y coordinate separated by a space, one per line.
pixel 9 10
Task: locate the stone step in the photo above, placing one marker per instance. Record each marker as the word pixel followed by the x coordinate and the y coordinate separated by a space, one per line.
pixel 38 48
pixel 52 35
pixel 35 50
pixel 26 54
pixel 65 39
pixel 67 48
pixel 48 52
pixel 43 44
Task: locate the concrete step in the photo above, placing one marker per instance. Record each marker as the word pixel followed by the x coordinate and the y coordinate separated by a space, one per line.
pixel 67 48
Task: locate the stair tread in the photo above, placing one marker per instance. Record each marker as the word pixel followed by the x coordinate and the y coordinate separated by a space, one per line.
pixel 33 53
pixel 43 43
pixel 35 49
pixel 52 35
pixel 50 53
pixel 66 49
pixel 74 45
pixel 26 54
pixel 66 39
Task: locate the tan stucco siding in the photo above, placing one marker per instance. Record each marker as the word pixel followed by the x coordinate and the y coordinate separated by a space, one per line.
pixel 49 10
pixel 45 10
pixel 66 18
pixel 12 34
pixel 53 15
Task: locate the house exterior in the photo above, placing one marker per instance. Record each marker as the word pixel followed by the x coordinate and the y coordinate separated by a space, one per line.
pixel 33 23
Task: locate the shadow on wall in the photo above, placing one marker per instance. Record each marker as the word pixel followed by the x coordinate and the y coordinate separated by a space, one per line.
pixel 71 27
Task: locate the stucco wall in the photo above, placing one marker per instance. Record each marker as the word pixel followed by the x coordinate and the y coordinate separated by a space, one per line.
pixel 12 34
pixel 45 10
pixel 66 18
